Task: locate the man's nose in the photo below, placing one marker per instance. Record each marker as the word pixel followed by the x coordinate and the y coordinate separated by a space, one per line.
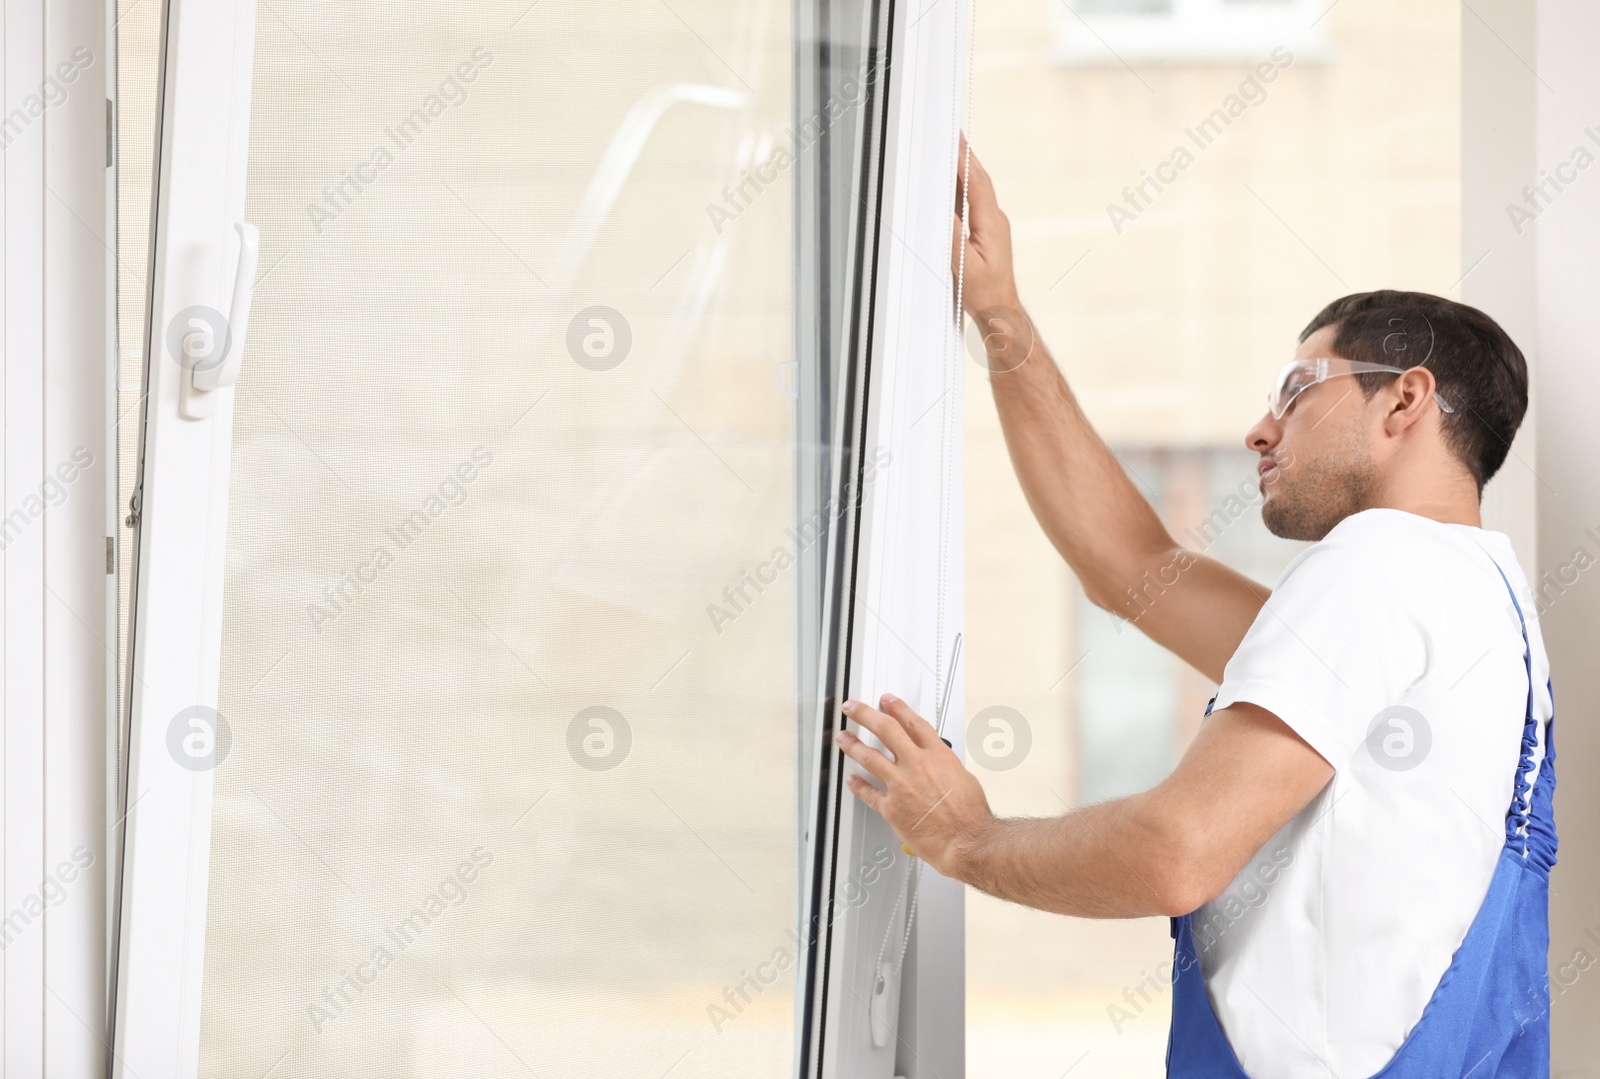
pixel 1264 435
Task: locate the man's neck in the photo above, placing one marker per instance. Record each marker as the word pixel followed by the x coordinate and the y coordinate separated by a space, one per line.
pixel 1450 498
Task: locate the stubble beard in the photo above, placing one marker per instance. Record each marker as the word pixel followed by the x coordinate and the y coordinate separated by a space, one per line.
pixel 1319 497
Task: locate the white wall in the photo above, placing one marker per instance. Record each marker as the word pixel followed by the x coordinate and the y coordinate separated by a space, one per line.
pixel 1529 88
pixel 1568 446
pixel 53 583
pixel 1497 103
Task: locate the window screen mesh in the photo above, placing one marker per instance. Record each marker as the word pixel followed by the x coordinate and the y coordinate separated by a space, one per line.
pixel 509 645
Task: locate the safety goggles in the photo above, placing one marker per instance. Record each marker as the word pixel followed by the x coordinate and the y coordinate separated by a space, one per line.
pixel 1298 376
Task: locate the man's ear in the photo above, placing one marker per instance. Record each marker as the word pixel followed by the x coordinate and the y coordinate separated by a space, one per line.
pixel 1409 399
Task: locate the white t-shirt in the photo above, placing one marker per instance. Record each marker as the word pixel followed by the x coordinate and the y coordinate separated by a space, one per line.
pixel 1393 649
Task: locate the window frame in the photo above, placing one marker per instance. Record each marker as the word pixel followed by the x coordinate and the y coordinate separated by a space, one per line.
pixel 898 286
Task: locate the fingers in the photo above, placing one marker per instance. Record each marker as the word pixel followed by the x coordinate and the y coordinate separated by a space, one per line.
pixel 982 185
pixel 889 730
pixel 955 225
pixel 872 796
pixel 920 730
pixel 968 167
pixel 871 759
pixel 961 177
pixel 983 206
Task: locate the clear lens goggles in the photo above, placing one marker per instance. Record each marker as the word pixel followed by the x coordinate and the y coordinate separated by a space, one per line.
pixel 1298 376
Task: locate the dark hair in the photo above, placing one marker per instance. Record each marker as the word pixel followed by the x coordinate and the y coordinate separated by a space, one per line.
pixel 1480 371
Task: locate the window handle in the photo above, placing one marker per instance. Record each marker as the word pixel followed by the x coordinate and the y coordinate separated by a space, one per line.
pixel 226 373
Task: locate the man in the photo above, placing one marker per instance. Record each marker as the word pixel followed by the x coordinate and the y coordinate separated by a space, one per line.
pixel 1326 845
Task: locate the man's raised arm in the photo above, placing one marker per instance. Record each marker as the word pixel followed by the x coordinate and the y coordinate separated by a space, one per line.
pixel 1107 531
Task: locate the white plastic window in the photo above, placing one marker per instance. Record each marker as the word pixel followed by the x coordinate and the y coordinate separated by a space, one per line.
pixel 478 624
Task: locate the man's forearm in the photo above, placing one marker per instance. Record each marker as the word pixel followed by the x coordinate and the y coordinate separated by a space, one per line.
pixel 1103 861
pixel 1165 851
pixel 1078 491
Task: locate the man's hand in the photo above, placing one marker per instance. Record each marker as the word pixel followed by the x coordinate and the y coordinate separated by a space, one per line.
pixel 989 280
pixel 989 284
pixel 932 802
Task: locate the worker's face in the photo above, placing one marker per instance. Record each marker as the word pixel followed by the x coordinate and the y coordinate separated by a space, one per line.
pixel 1316 464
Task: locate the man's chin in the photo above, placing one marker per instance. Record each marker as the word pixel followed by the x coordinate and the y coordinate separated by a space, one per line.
pixel 1307 507
pixel 1288 520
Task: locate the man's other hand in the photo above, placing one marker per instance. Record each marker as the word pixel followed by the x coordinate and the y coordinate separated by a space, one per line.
pixel 932 802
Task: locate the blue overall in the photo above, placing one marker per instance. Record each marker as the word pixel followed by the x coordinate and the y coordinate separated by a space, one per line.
pixel 1489 1016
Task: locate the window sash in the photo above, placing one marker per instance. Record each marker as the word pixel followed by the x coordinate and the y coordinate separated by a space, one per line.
pixel 894 169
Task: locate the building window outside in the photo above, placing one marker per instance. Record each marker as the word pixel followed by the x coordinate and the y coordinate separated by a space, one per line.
pixel 1137 706
pixel 1100 32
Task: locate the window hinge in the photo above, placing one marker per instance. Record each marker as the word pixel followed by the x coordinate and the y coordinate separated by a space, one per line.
pixel 132 520
pixel 111 554
pixel 111 129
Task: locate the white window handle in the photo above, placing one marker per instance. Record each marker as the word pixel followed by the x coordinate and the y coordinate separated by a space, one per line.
pixel 226 373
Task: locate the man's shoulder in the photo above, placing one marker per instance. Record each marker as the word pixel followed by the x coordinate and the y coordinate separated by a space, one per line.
pixel 1383 525
pixel 1387 547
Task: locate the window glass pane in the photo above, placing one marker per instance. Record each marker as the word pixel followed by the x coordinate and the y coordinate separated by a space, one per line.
pixel 510 637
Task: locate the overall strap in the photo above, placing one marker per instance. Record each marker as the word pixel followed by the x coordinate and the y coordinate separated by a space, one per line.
pixel 1517 817
pixel 1542 819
